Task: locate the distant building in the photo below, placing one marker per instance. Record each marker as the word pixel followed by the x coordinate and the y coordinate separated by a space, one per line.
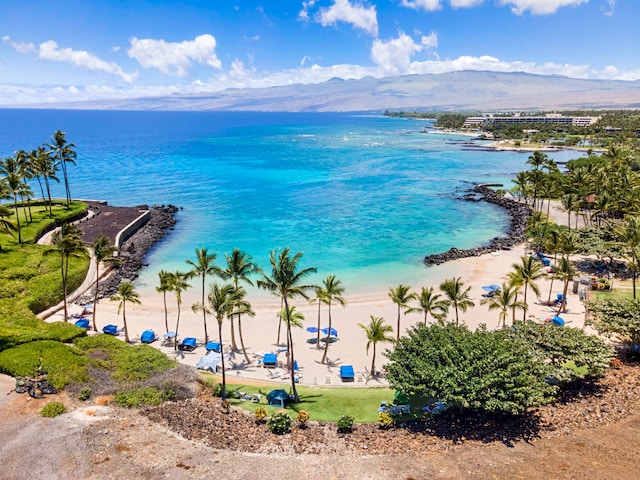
pixel 477 122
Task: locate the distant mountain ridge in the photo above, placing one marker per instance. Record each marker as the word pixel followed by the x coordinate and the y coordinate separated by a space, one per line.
pixel 455 91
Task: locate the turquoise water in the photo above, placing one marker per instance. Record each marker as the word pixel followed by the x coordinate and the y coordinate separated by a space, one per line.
pixel 363 196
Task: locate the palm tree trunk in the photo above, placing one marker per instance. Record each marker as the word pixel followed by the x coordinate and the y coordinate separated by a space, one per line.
pixel 64 289
pixel 294 390
pixel 318 333
pixel 279 323
pixel 234 346
pixel 328 339
pixel 46 182
pixel 166 312
pixel 175 339
pixel 15 203
pixel 204 314
pixel 224 376
pixel 124 320
pixel 373 361
pixel 244 350
pixel 526 305
pixel 398 333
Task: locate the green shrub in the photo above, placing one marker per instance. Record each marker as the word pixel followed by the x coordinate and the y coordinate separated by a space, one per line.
pixel 144 396
pixel 280 423
pixel 345 424
pixel 139 363
pixel 385 420
pixel 84 394
pixel 53 409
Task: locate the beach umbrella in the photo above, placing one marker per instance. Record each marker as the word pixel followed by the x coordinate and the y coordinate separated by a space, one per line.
pixel 558 321
pixel 333 333
pixel 491 288
pixel 312 329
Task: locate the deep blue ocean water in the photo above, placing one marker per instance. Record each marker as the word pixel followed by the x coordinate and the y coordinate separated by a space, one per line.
pixel 365 197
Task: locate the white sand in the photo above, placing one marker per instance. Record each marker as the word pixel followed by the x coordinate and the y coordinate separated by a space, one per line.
pixel 260 332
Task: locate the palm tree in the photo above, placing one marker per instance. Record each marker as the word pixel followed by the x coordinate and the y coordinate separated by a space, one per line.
pixel 221 301
pixel 164 287
pixel 431 304
pixel 320 299
pixel 10 168
pixel 376 332
pixel 239 267
pixel 537 160
pixel 177 284
pixel 332 292
pixel 64 153
pixel 565 272
pixel 242 307
pixel 456 295
pixel 629 233
pixel 45 167
pixel 202 267
pixel 103 252
pixel 401 295
pixel 67 242
pixel 5 225
pixel 553 244
pixel 525 274
pixel 285 281
pixel 292 318
pixel 126 293
pixel 504 300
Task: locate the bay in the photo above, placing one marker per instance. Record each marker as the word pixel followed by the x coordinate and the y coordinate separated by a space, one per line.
pixel 364 197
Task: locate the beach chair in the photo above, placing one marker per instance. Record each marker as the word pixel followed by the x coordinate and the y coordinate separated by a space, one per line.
pixel 148 336
pixel 188 344
pixel 347 373
pixel 270 360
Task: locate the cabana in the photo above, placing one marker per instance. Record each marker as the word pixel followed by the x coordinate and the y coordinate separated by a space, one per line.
pixel 278 398
pixel 148 336
pixel 188 344
pixel 213 347
pixel 270 360
pixel 82 323
pixel 347 374
pixel 110 329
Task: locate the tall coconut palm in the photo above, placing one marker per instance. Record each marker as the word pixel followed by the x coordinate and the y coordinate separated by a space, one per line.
pixel 164 287
pixel 103 253
pixel 526 273
pixel 44 166
pixel 457 295
pixel 178 284
pixel 292 318
pixel 126 294
pixel 333 291
pixel 202 267
pixel 242 307
pixel 553 244
pixel 13 177
pixel 64 153
pixel 286 281
pixel 565 271
pixel 320 299
pixel 537 160
pixel 504 300
pixel 377 332
pixel 401 296
pixel 239 268
pixel 5 225
pixel 67 242
pixel 431 304
pixel 629 234
pixel 221 301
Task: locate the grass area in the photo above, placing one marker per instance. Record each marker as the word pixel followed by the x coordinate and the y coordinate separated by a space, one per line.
pixel 322 403
pixel 616 294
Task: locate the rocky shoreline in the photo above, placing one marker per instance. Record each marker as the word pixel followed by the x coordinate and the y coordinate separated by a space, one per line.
pixel 519 215
pixel 161 222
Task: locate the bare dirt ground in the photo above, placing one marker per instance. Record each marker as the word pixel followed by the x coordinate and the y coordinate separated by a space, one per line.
pixel 94 442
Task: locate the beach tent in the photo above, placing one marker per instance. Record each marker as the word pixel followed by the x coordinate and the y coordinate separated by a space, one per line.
pixel 279 398
pixel 110 329
pixel 148 336
pixel 558 321
pixel 270 360
pixel 213 347
pixel 188 344
pixel 82 323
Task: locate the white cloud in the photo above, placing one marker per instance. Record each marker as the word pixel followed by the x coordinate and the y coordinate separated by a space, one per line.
pixel 428 5
pixel 612 4
pixel 465 3
pixel 20 47
pixel 49 51
pixel 175 58
pixel 394 56
pixel 304 13
pixel 540 7
pixel 357 15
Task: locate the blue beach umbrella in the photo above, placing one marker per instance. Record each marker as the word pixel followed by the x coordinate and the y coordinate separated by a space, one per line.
pixel 312 329
pixel 558 321
pixel 491 288
pixel 333 333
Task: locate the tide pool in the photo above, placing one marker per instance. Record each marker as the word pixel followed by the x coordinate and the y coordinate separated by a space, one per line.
pixel 365 197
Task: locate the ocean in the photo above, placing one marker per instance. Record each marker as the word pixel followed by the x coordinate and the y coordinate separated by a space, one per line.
pixel 364 197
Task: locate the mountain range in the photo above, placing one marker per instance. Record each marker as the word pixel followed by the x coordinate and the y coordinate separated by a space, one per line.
pixel 463 91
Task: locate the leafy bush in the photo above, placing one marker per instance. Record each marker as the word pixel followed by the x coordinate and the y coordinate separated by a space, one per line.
pixel 261 414
pixel 139 363
pixel 53 409
pixel 144 396
pixel 385 420
pixel 280 423
pixel 84 394
pixel 303 418
pixel 345 424
pixel 617 317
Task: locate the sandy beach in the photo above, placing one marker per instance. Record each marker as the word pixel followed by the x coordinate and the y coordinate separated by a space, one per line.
pixel 260 331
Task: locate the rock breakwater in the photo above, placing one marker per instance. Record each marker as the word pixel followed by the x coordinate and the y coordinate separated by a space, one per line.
pixel 518 213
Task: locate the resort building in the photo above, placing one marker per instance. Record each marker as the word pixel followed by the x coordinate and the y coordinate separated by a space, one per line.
pixel 555 118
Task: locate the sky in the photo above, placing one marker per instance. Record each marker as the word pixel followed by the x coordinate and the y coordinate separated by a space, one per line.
pixel 75 50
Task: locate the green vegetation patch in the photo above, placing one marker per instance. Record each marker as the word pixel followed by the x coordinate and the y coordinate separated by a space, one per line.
pixel 53 409
pixel 61 363
pixel 144 396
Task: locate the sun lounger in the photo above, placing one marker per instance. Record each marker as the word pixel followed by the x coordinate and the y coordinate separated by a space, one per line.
pixel 347 373
pixel 270 360
pixel 188 344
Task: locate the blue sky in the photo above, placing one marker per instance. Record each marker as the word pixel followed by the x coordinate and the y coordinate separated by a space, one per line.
pixel 70 50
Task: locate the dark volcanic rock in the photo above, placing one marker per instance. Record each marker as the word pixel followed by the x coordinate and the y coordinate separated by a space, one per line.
pixel 518 213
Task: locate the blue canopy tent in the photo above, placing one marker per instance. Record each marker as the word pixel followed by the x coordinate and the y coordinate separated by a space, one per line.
pixel 213 347
pixel 270 360
pixel 82 323
pixel 188 344
pixel 110 329
pixel 558 321
pixel 346 373
pixel 148 336
pixel 279 398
